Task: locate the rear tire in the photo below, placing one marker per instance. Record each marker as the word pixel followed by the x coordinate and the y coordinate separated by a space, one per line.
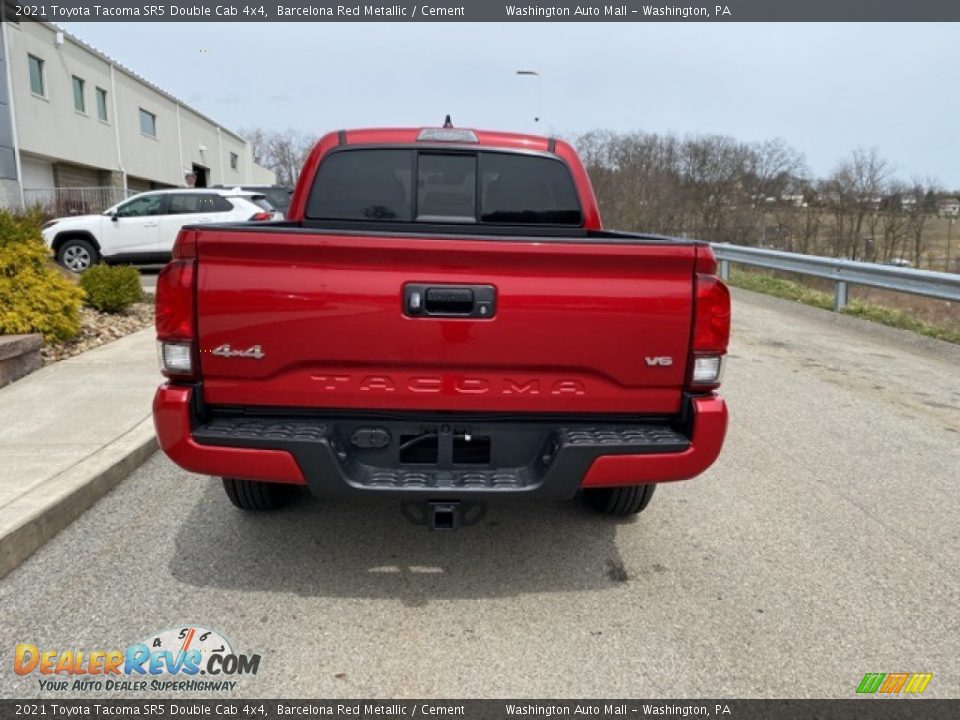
pixel 619 501
pixel 255 496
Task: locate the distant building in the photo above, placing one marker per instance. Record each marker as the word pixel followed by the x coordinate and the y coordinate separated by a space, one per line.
pixel 949 206
pixel 908 202
pixel 79 131
pixel 795 199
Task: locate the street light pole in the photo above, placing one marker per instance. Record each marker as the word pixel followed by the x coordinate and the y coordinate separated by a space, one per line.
pixel 539 119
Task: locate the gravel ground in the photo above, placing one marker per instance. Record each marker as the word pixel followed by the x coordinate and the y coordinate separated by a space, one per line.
pixel 99 328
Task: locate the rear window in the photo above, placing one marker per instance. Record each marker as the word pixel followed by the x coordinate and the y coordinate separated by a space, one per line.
pixel 519 189
pixel 446 188
pixel 451 187
pixel 278 197
pixel 364 185
pixel 194 203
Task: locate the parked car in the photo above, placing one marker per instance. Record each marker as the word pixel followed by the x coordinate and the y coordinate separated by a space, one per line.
pixel 899 262
pixel 143 228
pixel 277 195
pixel 441 319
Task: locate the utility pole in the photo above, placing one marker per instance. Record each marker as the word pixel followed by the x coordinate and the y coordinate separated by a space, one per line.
pixel 950 221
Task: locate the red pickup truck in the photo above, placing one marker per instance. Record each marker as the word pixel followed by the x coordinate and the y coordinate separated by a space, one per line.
pixel 442 319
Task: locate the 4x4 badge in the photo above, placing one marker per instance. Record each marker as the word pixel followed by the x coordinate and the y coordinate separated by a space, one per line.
pixel 225 351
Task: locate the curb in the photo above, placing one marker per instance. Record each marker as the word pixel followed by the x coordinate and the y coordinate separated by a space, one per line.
pixel 38 515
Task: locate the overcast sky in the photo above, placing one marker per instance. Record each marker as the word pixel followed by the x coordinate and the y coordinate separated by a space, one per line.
pixel 825 88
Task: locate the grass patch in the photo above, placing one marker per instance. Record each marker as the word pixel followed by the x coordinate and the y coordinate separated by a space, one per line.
pixel 791 290
pixel 900 319
pixel 778 287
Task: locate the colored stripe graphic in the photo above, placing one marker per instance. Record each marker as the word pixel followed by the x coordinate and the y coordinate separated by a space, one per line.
pixel 918 682
pixel 894 683
pixel 870 683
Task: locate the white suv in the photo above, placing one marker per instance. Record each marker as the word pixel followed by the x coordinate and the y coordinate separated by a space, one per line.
pixel 143 228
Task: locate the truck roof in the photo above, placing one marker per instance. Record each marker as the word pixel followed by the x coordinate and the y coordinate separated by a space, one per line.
pixel 484 138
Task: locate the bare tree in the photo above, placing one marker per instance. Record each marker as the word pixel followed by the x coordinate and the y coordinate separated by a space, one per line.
pixel 773 167
pixel 925 208
pixel 855 190
pixel 257 137
pixel 283 151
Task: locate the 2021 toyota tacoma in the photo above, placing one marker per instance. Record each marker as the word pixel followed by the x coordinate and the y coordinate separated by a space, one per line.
pixel 442 318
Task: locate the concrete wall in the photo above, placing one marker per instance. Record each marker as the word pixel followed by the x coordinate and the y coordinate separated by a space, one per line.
pixel 66 175
pixel 136 184
pixel 49 125
pixel 156 158
pixel 82 149
pixel 8 158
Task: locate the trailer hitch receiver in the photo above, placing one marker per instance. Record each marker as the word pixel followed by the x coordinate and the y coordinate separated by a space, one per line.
pixel 443 514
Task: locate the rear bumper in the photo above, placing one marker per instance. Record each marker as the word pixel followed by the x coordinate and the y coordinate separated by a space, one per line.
pixel 529 458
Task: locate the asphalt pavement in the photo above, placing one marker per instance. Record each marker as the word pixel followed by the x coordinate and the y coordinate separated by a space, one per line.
pixel 148 277
pixel 822 545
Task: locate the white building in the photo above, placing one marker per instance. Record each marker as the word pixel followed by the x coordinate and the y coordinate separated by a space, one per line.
pixel 78 131
pixel 949 207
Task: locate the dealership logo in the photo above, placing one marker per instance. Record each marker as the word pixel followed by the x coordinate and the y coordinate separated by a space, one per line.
pixel 894 683
pixel 170 660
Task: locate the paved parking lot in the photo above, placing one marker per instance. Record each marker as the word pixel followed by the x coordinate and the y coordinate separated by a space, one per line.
pixel 148 277
pixel 823 545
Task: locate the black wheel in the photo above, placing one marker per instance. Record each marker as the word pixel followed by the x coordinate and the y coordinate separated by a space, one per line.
pixel 77 255
pixel 256 496
pixel 620 501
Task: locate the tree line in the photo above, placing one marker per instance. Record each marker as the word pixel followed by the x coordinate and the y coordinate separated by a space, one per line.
pixel 716 188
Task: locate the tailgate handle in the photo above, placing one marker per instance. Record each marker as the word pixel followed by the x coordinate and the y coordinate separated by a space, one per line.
pixel 463 301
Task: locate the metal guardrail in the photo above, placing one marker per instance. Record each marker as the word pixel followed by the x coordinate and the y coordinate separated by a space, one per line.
pixel 941 285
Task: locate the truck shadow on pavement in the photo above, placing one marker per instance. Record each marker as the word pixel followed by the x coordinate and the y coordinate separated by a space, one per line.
pixel 366 549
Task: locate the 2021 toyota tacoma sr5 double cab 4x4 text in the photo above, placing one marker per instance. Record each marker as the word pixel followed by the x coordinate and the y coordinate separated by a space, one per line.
pixel 441 319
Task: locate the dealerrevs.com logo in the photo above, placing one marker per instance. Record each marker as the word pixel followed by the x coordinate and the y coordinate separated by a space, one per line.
pixel 187 659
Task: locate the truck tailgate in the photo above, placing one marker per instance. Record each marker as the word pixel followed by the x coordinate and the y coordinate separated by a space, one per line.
pixel 578 327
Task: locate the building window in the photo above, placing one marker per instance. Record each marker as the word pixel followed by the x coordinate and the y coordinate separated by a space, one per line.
pixel 234 161
pixel 79 102
pixel 148 123
pixel 102 104
pixel 36 76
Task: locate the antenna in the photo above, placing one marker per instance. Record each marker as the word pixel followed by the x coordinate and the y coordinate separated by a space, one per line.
pixel 448 123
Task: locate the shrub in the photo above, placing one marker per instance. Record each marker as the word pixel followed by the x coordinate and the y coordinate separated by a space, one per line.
pixel 112 288
pixel 34 295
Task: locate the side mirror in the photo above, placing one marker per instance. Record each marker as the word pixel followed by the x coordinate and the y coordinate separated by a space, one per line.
pixel 113 216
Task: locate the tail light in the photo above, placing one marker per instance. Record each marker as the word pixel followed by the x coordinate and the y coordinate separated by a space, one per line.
pixel 261 217
pixel 711 324
pixel 175 311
